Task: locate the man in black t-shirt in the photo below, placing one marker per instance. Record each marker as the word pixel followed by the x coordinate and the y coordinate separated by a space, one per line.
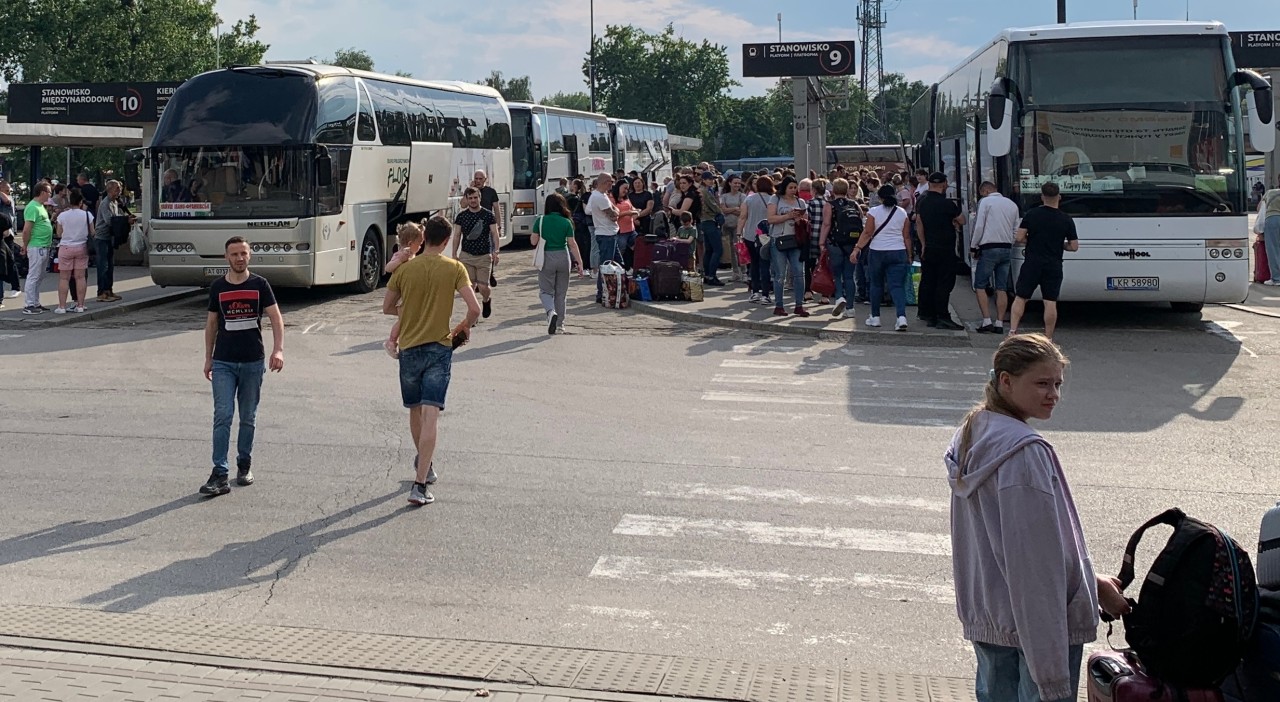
pixel 88 191
pixel 233 360
pixel 1047 231
pixel 489 201
pixel 936 220
pixel 475 232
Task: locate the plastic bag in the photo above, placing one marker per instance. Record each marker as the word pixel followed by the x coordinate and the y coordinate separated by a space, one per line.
pixel 137 239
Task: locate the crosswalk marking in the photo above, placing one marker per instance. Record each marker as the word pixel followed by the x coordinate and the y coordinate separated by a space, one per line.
pixel 868 382
pixel 881 540
pixel 685 572
pixel 763 347
pixel 747 493
pixel 913 368
pixel 772 398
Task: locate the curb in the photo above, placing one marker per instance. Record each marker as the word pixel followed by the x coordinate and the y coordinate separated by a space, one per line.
pixel 53 321
pixel 1252 310
pixel 913 338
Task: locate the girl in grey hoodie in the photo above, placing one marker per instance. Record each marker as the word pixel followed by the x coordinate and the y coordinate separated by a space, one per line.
pixel 1026 592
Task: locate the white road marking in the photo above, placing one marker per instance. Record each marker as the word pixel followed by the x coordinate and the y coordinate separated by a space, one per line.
pixel 1222 330
pixel 682 572
pixel 746 493
pixel 762 347
pixel 868 382
pixel 882 540
pixel 11 336
pixel 760 364
pixel 314 326
pixel 766 399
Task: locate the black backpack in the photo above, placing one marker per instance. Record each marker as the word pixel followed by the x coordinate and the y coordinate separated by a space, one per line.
pixel 1198 605
pixel 846 222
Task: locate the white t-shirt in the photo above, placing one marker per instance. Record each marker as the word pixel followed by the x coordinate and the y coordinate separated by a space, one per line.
pixel 599 206
pixel 77 227
pixel 890 237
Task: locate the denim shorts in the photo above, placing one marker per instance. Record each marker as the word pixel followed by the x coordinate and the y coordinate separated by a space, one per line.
pixel 424 375
pixel 992 269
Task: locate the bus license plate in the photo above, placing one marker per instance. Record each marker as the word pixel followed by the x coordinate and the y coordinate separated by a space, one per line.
pixel 211 272
pixel 1133 283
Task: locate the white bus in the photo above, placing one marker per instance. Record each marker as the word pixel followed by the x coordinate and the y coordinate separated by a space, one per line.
pixel 312 164
pixel 550 143
pixel 1142 126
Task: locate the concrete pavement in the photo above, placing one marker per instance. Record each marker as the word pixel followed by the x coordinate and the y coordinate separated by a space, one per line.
pixel 132 283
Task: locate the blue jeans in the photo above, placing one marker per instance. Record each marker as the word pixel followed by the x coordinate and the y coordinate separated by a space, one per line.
pixel 860 277
pixel 888 268
pixel 782 261
pixel 842 271
pixel 106 264
pixel 608 247
pixel 1271 237
pixel 235 384
pixel 1003 675
pixel 712 247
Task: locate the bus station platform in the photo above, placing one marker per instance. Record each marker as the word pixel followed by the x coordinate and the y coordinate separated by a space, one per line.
pixel 133 283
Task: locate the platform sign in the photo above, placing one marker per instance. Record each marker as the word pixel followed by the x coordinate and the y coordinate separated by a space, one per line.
pixel 1256 49
pixel 798 59
pixel 88 103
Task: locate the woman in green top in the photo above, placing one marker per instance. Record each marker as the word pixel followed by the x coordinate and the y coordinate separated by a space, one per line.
pixel 560 256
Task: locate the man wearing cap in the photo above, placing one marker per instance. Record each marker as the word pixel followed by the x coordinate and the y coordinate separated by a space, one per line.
pixel 937 218
pixel 709 228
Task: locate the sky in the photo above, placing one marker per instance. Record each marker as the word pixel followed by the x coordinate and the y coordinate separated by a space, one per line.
pixel 547 39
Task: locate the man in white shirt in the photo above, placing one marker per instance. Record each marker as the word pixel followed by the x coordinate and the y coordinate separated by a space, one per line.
pixel 992 249
pixel 604 218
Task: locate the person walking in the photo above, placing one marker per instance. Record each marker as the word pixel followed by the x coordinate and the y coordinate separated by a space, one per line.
pixel 1269 212
pixel 111 207
pixel 74 227
pixel 1047 232
pixel 560 255
pixel 841 228
pixel 234 360
pixel 37 240
pixel 489 200
pixel 886 241
pixel 421 294
pixel 476 234
pixel 755 210
pixel 1026 592
pixel 992 250
pixel 936 220
pixel 784 211
pixel 604 220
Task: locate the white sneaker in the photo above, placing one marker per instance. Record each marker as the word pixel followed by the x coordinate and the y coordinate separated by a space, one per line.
pixel 902 324
pixel 80 308
pixel 755 298
pixel 60 310
pixel 12 294
pixel 767 301
pixel 840 307
pixel 1265 282
pixel 849 314
pixel 873 321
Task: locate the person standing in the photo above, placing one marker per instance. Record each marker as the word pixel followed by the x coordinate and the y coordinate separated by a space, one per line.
pixel 710 217
pixel 841 228
pixel 1269 212
pixel 642 200
pixel 37 238
pixel 731 205
pixel 109 208
pixel 604 220
pixel 936 220
pixel 88 191
pixel 476 234
pixel 755 211
pixel 992 250
pixel 627 215
pixel 785 210
pixel 886 241
pixel 233 360
pixel 812 250
pixel 421 293
pixel 8 245
pixel 560 256
pixel 1047 231
pixel 74 227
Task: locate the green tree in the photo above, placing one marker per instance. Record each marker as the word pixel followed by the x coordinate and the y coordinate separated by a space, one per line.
pixel 569 101
pixel 404 74
pixel 513 89
pixel 353 58
pixel 898 96
pixel 661 78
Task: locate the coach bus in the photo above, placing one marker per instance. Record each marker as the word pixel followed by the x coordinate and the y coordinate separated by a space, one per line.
pixel 1141 125
pixel 642 147
pixel 312 164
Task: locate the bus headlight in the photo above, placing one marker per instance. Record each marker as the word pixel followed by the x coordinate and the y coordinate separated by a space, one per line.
pixel 1213 253
pixel 1226 248
pixel 524 209
pixel 174 248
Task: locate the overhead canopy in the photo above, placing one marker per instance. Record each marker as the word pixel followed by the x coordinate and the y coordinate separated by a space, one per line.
pixel 684 143
pixel 73 135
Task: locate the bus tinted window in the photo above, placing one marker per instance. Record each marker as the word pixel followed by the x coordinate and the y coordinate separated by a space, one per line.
pixel 499 134
pixel 336 122
pixel 392 123
pixel 451 119
pixel 555 135
pixel 365 129
pixel 474 120
pixel 240 107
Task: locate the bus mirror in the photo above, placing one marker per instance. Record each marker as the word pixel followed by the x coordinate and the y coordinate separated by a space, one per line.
pixel 1262 128
pixel 324 169
pixel 1000 119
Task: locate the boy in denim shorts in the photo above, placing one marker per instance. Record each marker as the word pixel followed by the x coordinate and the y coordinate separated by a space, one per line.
pixel 421 293
pixel 992 250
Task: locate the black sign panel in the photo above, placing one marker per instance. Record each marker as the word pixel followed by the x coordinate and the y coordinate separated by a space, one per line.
pixel 1256 49
pixel 798 59
pixel 89 103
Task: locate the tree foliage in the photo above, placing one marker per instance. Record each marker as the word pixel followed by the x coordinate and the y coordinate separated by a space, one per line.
pixel 569 101
pixel 353 58
pixel 512 89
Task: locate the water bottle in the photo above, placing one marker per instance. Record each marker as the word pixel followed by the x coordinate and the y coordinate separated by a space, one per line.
pixel 1268 560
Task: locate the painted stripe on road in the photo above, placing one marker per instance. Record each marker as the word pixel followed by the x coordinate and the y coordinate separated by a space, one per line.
pixel 747 493
pixel 867 382
pixel 760 364
pixel 765 533
pixel 760 348
pixel 681 572
pixel 769 398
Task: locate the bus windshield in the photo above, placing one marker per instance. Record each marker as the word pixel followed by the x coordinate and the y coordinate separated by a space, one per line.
pixel 528 169
pixel 244 182
pixel 1132 125
pixel 240 107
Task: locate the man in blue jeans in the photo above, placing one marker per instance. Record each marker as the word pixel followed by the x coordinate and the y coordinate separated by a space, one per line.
pixel 604 222
pixel 233 360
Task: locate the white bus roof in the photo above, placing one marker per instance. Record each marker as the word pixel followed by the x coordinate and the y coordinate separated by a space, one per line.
pixel 321 70
pixel 553 108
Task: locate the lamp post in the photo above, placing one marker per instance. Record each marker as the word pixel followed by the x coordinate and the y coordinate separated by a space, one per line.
pixel 217 44
pixel 593 56
pixel 1062 11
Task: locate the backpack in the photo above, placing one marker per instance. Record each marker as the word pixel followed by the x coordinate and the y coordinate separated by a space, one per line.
pixel 846 222
pixel 1198 605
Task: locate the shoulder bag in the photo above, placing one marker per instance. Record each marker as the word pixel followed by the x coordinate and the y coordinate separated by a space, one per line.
pixel 540 255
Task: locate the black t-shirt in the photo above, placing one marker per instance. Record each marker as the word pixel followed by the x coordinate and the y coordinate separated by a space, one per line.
pixel 90 194
pixel 488 198
pixel 640 201
pixel 475 231
pixel 938 213
pixel 1047 229
pixel 240 309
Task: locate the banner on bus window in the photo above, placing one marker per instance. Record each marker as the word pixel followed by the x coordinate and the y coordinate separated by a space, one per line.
pixel 179 210
pixel 1095 151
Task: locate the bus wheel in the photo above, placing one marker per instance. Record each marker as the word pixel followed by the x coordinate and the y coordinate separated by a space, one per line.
pixel 370 264
pixel 1187 307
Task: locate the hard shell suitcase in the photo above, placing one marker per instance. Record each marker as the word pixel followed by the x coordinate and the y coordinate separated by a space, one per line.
pixel 1116 676
pixel 664 281
pixel 643 260
pixel 673 250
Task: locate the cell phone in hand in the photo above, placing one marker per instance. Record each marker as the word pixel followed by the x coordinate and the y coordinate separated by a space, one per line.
pixel 460 338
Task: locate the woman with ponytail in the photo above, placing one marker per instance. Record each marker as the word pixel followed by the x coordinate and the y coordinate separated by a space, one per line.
pixel 1026 592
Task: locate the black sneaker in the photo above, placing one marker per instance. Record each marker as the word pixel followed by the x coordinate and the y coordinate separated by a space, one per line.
pixel 244 476
pixel 488 309
pixel 216 485
pixel 949 324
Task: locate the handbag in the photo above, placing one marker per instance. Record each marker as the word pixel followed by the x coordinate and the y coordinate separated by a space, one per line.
pixel 743 252
pixel 120 228
pixel 540 254
pixel 786 243
pixel 824 283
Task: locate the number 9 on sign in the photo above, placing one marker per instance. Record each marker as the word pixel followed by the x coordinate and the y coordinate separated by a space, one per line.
pixel 836 57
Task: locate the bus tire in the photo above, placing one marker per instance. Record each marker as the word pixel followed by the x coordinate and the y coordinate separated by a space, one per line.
pixel 1187 307
pixel 371 263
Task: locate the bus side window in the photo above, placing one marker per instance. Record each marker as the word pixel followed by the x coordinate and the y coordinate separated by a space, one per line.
pixel 366 130
pixel 498 135
pixel 336 122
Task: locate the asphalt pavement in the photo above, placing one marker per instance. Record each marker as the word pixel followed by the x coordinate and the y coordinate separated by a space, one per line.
pixel 638 485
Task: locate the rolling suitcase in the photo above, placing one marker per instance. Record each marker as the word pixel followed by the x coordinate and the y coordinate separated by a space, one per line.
pixel 1261 266
pixel 643 260
pixel 1116 676
pixel 673 250
pixel 665 282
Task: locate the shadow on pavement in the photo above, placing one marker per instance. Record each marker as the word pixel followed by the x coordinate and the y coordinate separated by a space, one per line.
pixel 72 537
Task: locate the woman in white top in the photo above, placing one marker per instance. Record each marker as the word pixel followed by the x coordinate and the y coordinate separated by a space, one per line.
pixel 887 235
pixel 75 226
